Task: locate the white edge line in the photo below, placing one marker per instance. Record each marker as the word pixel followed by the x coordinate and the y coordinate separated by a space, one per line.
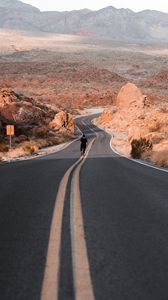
pixel 129 158
pixel 135 160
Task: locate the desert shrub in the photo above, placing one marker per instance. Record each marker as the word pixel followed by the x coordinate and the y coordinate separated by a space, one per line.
pixel 147 155
pixel 28 148
pixel 21 138
pixel 40 132
pixel 160 158
pixel 139 147
pixel 4 148
pixel 41 143
pixel 52 141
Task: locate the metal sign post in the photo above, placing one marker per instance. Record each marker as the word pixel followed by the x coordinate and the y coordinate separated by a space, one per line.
pixel 10 131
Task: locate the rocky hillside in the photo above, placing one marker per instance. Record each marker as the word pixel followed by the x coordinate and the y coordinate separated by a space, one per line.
pixel 109 22
pixel 31 119
pixel 69 85
pixel 136 118
pixel 159 80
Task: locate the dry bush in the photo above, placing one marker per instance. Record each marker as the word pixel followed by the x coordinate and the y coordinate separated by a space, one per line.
pixel 63 137
pixel 52 141
pixel 4 148
pixel 29 147
pixel 40 133
pixel 139 147
pixel 21 138
pixel 17 152
pixel 42 143
pixel 147 155
pixel 160 158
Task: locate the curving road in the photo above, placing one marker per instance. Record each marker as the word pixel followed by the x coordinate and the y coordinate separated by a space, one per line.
pixel 93 228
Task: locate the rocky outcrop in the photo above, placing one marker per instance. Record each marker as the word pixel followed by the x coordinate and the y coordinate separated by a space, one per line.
pixel 20 110
pixel 63 121
pixel 130 96
pixel 31 117
pixel 134 118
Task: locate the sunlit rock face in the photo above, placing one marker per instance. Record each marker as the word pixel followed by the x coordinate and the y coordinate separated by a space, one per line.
pixel 63 121
pixel 135 117
pixel 20 110
pixel 27 113
pixel 130 96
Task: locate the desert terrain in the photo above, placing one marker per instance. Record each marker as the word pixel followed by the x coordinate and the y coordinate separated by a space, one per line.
pixel 70 73
pixel 74 71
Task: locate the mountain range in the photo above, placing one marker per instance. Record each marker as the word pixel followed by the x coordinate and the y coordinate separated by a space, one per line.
pixel 109 22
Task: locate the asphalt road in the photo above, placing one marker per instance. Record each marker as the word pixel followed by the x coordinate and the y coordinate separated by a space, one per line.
pixel 124 219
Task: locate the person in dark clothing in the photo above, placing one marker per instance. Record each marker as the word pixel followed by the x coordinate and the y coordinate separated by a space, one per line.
pixel 83 141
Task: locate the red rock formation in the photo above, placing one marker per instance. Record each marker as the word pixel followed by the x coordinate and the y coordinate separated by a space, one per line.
pixel 130 96
pixel 25 113
pixel 63 121
pixel 135 118
pixel 18 110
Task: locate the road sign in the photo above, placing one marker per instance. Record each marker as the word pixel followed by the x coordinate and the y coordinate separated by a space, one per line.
pixel 10 130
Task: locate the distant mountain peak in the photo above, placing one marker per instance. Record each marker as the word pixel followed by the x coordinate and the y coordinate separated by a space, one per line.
pixel 111 10
pixel 17 4
pixel 110 7
pixel 112 23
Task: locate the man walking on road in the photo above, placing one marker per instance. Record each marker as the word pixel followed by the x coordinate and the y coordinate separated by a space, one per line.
pixel 83 141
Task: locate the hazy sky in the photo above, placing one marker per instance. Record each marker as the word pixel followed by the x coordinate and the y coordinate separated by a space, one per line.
pixel 135 5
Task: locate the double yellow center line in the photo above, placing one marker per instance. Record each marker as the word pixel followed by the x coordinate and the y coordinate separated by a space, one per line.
pixel 81 271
